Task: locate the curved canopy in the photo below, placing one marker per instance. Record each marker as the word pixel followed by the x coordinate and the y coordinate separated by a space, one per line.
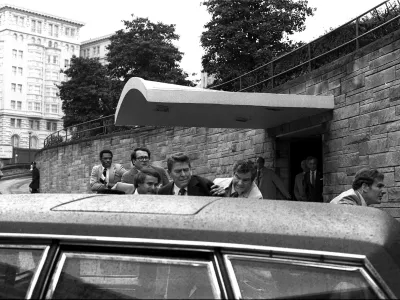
pixel 145 102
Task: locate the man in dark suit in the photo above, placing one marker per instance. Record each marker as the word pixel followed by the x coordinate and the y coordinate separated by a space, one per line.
pixel 140 159
pixel 313 181
pixel 35 179
pixel 184 183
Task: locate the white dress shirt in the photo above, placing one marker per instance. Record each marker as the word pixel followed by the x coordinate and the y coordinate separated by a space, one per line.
pixel 177 189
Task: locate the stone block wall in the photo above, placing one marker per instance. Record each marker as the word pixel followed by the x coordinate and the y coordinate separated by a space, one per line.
pixel 213 151
pixel 364 128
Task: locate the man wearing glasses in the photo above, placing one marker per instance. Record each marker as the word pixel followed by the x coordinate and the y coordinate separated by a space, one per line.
pixel 242 183
pixel 140 158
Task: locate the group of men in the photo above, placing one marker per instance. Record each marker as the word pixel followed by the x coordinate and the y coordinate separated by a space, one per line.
pixel 248 180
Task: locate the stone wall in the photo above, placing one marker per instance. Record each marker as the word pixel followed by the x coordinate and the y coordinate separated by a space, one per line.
pixel 364 128
pixel 213 152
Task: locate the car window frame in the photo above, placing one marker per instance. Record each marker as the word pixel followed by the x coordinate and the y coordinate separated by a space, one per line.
pixel 45 251
pixel 331 265
pixel 212 271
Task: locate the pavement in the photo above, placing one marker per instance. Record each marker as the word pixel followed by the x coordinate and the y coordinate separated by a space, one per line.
pixel 15 185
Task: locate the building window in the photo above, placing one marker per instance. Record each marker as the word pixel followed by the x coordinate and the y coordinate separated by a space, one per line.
pixel 16 123
pixel 47 107
pixel 55 45
pixel 39 41
pixel 50 44
pixel 15 37
pixel 56 30
pixel 29 105
pixel 37 106
pixel 20 54
pixel 39 27
pixel 34 142
pixel 33 25
pixel 20 88
pixel 13 87
pixel 72 49
pixel 98 50
pixel 21 21
pixel 33 41
pixel 48 58
pixel 55 59
pixel 67 47
pixel 12 123
pixel 21 37
pixel 14 71
pixel 66 63
pixel 14 53
pixel 34 124
pixel 54 126
pixel 54 108
pixel 51 29
pixel 15 140
pixel 16 20
pixel 72 32
pixel 12 104
pixel 19 105
pixel 20 71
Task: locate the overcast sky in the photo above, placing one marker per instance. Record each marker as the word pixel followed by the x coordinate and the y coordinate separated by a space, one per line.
pixel 104 17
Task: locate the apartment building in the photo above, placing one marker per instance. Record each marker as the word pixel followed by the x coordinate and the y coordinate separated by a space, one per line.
pixel 96 47
pixel 34 47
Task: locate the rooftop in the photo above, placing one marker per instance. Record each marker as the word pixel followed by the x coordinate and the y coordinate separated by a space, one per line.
pixel 98 39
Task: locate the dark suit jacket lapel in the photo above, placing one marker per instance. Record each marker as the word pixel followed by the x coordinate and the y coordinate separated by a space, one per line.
pixel 193 188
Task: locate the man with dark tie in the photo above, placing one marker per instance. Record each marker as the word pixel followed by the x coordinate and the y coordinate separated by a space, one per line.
pixel 105 176
pixel 269 183
pixel 313 181
pixel 184 183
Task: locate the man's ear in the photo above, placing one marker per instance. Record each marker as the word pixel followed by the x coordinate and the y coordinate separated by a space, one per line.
pixel 364 187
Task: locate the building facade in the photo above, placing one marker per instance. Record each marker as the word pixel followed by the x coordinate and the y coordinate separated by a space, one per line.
pixel 96 47
pixel 34 47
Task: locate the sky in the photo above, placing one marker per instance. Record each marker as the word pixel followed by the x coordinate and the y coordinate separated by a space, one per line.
pixel 105 17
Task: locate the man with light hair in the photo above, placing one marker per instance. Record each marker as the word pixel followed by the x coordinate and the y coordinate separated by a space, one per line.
pixel 367 189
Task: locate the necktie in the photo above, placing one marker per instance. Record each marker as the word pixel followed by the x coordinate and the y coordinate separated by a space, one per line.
pixel 104 177
pixel 235 195
pixel 182 192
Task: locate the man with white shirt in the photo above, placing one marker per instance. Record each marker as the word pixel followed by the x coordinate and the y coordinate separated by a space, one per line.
pixel 147 181
pixel 105 176
pixel 313 181
pixel 367 189
pixel 184 183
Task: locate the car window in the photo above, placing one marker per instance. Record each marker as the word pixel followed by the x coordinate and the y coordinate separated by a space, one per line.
pixel 107 276
pixel 18 270
pixel 266 279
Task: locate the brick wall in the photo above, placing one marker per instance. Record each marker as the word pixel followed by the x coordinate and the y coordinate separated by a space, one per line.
pixel 364 128
pixel 213 152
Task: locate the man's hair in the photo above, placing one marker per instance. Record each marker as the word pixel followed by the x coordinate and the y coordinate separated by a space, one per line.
pixel 367 176
pixel 312 158
pixel 243 167
pixel 133 154
pixel 178 157
pixel 261 159
pixel 105 151
pixel 140 177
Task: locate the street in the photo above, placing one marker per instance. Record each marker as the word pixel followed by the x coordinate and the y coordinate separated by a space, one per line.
pixel 15 186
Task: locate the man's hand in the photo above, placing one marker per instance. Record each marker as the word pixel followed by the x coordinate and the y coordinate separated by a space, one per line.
pixel 216 190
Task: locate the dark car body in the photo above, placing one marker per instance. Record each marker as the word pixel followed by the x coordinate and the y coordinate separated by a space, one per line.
pixel 144 246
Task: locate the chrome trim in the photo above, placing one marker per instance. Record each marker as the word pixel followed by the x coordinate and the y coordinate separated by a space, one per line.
pixel 232 278
pixel 221 279
pixel 56 277
pixel 91 239
pixel 37 272
pixel 23 246
pixel 370 270
pixel 167 261
pixel 373 284
pixel 321 265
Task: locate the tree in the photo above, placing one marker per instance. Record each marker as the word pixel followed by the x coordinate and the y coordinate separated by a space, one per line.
pixel 89 93
pixel 145 49
pixel 245 34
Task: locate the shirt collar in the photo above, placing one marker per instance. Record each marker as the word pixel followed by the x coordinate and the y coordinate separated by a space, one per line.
pixel 363 202
pixel 177 189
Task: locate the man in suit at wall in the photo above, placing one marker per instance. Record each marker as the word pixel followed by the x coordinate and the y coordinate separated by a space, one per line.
pixel 313 181
pixel 140 159
pixel 268 182
pixel 105 176
pixel 184 183
pixel 367 189
pixel 299 189
pixel 241 184
pixel 35 184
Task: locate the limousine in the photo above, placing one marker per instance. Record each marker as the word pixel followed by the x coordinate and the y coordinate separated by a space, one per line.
pixel 55 246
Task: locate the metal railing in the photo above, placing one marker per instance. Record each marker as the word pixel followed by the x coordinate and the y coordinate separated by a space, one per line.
pixel 97 127
pixel 359 32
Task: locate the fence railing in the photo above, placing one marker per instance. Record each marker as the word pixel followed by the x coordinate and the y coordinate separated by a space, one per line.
pixel 97 127
pixel 359 32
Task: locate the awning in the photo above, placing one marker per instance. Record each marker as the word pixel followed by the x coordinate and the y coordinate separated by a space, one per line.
pixel 152 103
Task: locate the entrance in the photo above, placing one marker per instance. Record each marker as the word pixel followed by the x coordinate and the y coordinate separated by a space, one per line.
pixel 300 149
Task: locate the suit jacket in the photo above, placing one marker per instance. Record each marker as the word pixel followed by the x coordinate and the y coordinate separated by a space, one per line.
pixel 129 175
pixel 198 186
pixel 349 197
pixel 313 192
pixel 269 182
pixel 226 183
pixel 115 174
pixel 299 188
pixel 35 179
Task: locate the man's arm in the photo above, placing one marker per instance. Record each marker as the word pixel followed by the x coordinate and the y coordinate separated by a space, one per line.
pixel 95 185
pixel 164 176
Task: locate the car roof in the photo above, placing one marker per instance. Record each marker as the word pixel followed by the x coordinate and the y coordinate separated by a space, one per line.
pixel 207 219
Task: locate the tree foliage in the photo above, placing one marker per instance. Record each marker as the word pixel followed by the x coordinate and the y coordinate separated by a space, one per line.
pixel 145 49
pixel 244 34
pixel 89 93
